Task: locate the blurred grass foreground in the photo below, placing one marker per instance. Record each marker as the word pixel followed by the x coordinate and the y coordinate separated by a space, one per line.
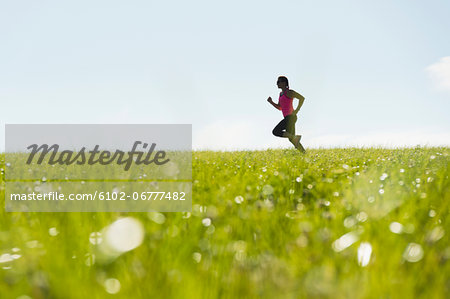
pixel 333 223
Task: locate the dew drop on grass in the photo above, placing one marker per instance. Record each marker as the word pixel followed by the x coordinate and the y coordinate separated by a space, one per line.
pixel 436 234
pixel 345 241
pixel 112 285
pixel 211 229
pixel 396 228
pixel 413 253
pixel 124 234
pixel 349 222
pixel 206 222
pixel 156 217
pixel 197 257
pixel 95 238
pixel 293 215
pixel 240 256
pixel 268 205
pixel 16 256
pixel 90 259
pixel 5 258
pixel 238 199
pixel 432 213
pixel 364 253
pixel 52 231
pixel 361 216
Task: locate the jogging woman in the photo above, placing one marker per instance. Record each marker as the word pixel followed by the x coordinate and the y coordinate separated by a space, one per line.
pixel 286 127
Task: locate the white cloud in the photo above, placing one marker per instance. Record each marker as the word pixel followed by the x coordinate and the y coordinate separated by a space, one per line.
pixel 439 73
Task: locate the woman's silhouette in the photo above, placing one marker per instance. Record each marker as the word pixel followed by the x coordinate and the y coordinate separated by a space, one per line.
pixel 286 127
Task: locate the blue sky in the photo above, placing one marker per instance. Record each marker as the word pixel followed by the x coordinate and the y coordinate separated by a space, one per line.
pixel 372 73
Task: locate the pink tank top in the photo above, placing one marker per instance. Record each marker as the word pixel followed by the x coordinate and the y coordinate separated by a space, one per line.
pixel 286 105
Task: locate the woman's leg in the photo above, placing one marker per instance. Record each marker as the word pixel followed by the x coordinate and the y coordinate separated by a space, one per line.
pixel 286 127
pixel 279 129
pixel 290 127
pixel 296 138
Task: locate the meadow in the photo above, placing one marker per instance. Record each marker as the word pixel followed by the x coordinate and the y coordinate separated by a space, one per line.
pixel 331 223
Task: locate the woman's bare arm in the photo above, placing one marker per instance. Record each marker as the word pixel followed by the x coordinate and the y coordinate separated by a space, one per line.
pixel 293 94
pixel 274 104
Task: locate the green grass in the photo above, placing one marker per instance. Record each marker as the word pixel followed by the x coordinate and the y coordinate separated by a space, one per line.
pixel 275 217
